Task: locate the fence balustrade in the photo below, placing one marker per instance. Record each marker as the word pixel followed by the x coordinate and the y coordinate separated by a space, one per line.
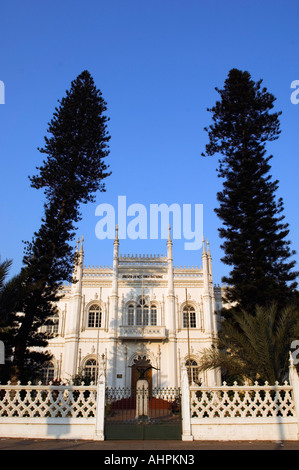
pixel 247 401
pixel 51 401
pixel 223 412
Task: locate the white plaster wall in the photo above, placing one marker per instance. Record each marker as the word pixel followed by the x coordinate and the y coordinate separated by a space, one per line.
pixel 244 429
pixel 47 428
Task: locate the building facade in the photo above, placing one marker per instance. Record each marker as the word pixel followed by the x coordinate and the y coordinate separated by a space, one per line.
pixel 142 307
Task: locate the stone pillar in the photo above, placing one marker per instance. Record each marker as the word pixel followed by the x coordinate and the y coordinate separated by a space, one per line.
pixel 141 398
pixel 100 409
pixel 185 406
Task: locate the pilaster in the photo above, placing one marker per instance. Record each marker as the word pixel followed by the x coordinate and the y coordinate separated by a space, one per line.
pixel 171 319
pixel 113 314
pixel 72 327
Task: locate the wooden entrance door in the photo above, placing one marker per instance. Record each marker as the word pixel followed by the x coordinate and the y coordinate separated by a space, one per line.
pixel 136 375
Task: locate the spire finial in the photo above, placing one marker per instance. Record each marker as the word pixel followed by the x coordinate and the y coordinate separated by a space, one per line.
pixel 82 240
pixel 169 233
pixel 116 242
pixel 203 246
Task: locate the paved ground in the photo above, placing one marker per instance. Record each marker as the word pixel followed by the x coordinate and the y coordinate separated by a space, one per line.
pixel 108 447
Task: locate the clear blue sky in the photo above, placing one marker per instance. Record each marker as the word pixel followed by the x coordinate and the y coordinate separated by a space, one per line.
pixel 157 63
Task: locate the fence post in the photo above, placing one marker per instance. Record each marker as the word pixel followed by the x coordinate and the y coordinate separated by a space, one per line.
pixel 100 407
pixel 294 381
pixel 186 412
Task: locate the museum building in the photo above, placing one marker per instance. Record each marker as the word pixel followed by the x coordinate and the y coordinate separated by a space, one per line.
pixel 141 308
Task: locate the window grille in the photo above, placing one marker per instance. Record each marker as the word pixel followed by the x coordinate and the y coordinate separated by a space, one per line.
pixel 47 373
pixel 145 315
pixel 192 370
pixel 189 317
pixel 153 315
pixel 90 369
pixel 131 315
pixel 52 328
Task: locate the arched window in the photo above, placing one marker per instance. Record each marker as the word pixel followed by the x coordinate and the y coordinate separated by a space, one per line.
pixel 142 311
pixel 94 316
pixel 47 373
pixel 192 370
pixel 90 369
pixel 142 314
pixel 52 325
pixel 189 317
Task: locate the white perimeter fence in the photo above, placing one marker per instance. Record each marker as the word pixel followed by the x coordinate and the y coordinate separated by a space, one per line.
pixel 248 412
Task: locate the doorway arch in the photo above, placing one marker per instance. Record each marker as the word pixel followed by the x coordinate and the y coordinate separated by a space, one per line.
pixel 135 371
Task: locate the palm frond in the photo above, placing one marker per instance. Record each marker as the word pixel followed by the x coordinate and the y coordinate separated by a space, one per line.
pixel 255 346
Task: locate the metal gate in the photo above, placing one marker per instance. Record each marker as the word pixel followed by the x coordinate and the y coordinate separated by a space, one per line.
pixel 140 414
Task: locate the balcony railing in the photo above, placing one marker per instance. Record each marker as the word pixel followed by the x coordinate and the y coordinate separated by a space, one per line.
pixel 148 332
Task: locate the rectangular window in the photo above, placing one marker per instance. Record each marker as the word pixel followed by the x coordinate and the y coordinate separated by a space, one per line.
pixel 145 316
pixel 138 316
pixel 53 328
pixel 91 318
pixel 131 315
pixel 153 316
pixel 94 319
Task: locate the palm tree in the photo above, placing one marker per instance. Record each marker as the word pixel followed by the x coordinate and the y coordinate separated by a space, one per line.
pixel 4 268
pixel 254 347
pixel 10 293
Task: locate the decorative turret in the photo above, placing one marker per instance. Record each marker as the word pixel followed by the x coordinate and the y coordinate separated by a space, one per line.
pixel 209 323
pixel 205 267
pixel 116 241
pixel 115 263
pixel 171 317
pixel 113 313
pixel 170 263
pixel 209 306
pixel 78 268
pixel 73 318
pixel 209 262
pixel 212 292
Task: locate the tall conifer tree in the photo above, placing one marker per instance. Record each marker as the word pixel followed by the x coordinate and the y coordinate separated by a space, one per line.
pixel 76 146
pixel 253 230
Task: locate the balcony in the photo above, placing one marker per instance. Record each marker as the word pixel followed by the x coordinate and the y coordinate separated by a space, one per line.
pixel 148 332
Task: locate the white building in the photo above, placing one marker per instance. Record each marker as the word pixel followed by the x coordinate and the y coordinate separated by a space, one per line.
pixel 142 306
